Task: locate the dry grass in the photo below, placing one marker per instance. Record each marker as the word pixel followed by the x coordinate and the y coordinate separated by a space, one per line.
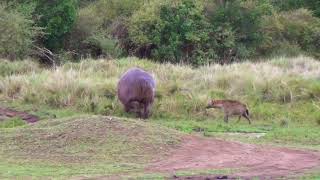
pixel 91 85
pixel 283 96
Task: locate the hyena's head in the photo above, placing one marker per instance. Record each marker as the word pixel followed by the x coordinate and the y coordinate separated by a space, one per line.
pixel 214 104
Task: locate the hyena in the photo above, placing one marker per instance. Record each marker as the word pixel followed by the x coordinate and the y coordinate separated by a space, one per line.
pixel 230 108
pixel 136 91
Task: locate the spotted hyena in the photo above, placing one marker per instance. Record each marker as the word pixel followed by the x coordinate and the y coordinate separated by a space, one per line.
pixel 230 108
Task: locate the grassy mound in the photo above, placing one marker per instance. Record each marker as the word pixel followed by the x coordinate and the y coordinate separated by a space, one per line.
pixel 89 144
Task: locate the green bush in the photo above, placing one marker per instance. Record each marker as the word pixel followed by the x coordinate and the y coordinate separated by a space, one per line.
pixel 86 25
pixel 17 34
pixel 57 18
pixel 188 31
pixel 242 23
pixel 292 32
pixel 88 38
pixel 110 10
pixel 178 31
pixel 287 5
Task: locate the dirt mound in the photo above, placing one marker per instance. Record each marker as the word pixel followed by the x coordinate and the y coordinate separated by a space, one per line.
pixel 197 153
pixel 9 113
pixel 97 139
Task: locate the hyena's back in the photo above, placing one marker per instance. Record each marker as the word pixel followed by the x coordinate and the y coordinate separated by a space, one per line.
pixel 234 107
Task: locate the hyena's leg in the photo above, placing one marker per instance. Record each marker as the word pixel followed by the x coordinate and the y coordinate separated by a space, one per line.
pixel 247 117
pixel 226 118
pixel 239 119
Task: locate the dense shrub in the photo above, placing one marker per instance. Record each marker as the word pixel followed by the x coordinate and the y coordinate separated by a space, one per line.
pixel 57 17
pixel 88 38
pixel 242 23
pixel 17 33
pixel 109 10
pixel 86 25
pixel 286 5
pixel 189 31
pixel 292 32
pixel 175 31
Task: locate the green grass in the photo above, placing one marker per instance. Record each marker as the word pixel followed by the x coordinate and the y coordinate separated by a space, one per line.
pixel 86 145
pixel 283 96
pixel 280 93
pixel 18 67
pixel 26 169
pixel 12 123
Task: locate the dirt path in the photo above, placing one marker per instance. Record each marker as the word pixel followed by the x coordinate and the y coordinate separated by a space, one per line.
pixel 197 153
pixel 9 113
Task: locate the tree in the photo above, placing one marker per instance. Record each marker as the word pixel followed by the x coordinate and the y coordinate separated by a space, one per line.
pixel 57 18
pixel 175 31
pixel 17 33
pixel 242 21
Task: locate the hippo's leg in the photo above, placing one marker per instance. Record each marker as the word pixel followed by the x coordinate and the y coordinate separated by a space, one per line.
pixel 127 108
pixel 146 111
pixel 131 106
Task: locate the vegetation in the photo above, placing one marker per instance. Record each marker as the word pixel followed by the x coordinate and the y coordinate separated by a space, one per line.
pixel 263 53
pixel 195 32
pixel 67 147
pixel 57 18
pixel 282 94
pixel 17 33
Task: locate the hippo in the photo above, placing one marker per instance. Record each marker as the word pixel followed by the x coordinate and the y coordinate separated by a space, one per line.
pixel 136 91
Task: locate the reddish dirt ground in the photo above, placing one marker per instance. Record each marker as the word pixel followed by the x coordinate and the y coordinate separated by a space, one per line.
pixel 9 113
pixel 198 153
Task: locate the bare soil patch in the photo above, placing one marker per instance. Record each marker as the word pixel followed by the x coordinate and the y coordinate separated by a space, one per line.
pixel 198 153
pixel 6 113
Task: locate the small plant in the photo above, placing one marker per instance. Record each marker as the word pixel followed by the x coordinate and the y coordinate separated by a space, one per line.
pixel 12 123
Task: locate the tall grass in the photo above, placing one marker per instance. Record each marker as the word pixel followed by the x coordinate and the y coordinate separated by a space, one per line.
pixel 285 89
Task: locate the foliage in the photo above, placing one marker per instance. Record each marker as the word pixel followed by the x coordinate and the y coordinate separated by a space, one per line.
pixel 178 31
pixel 295 30
pixel 241 22
pixel 110 10
pixel 89 39
pixel 286 5
pixel 188 31
pixel 17 33
pixel 57 18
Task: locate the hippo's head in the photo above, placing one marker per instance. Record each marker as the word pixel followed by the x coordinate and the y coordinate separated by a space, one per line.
pixel 142 110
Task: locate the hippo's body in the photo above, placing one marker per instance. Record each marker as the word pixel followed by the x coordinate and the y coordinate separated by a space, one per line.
pixel 136 91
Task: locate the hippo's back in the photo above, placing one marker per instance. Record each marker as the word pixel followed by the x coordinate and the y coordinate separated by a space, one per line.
pixel 136 84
